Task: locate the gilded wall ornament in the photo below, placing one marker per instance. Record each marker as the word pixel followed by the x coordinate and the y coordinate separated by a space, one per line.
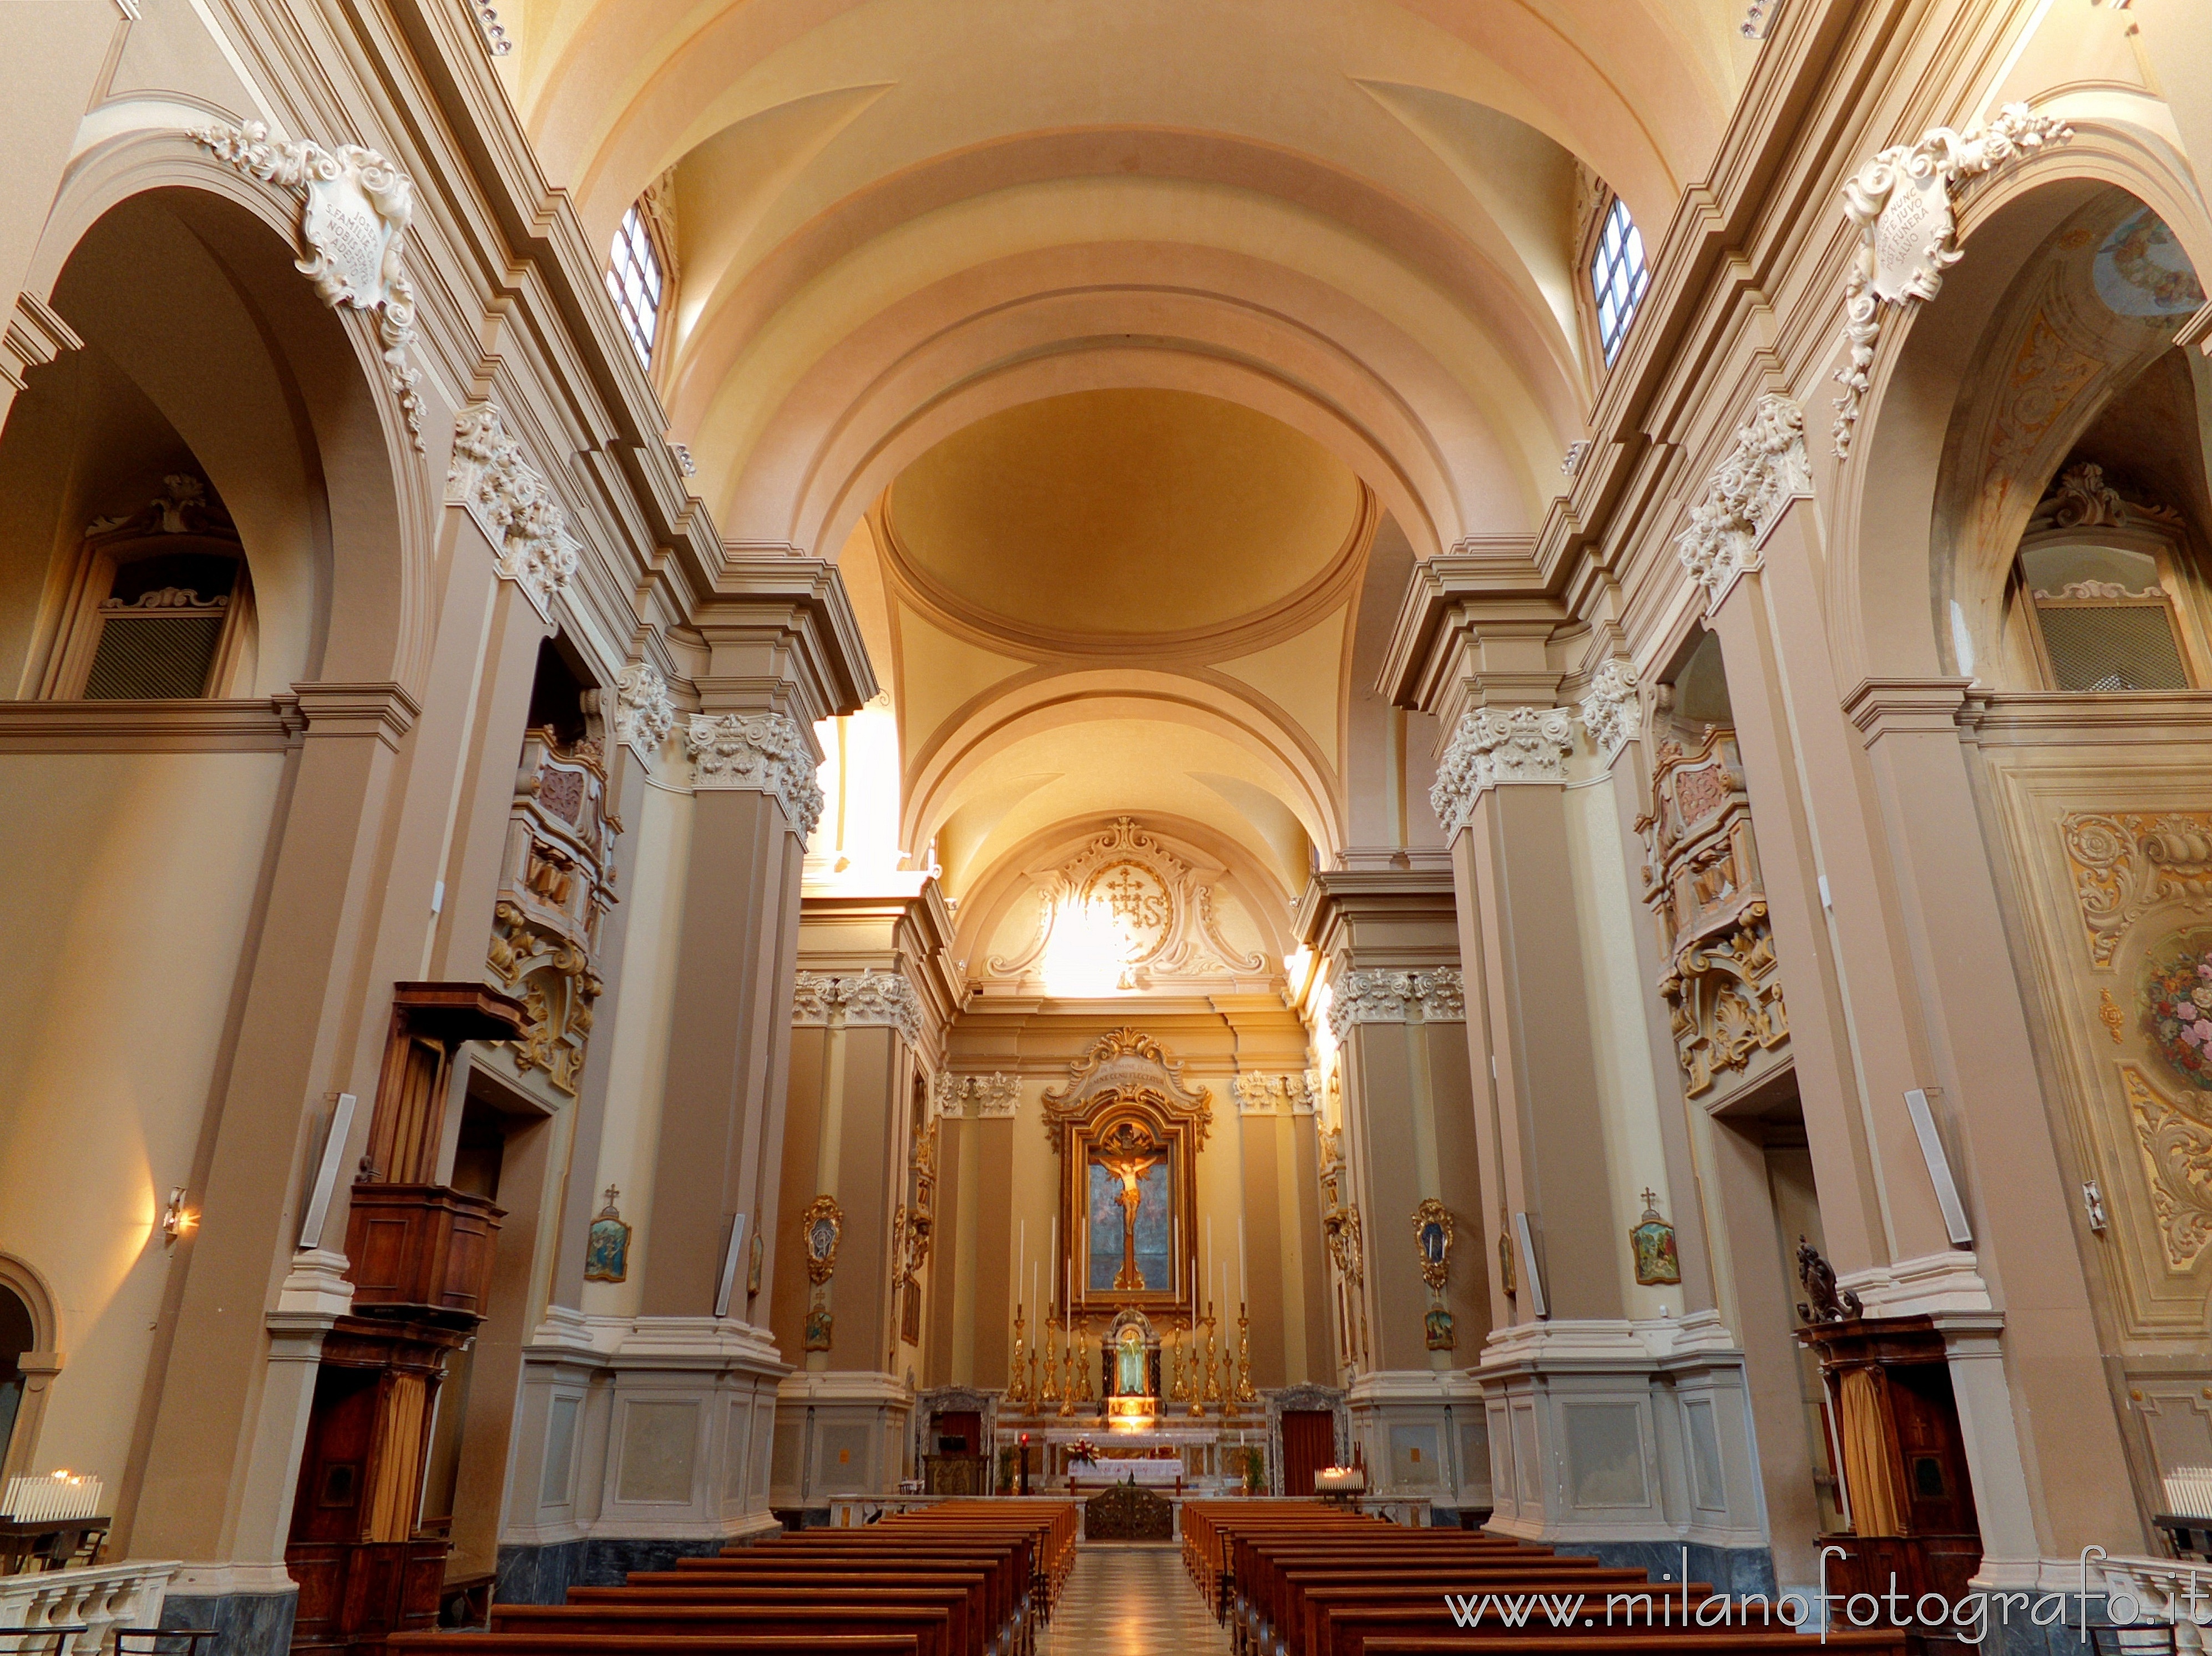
pixel 1706 894
pixel 1432 1236
pixel 1763 471
pixel 355 223
pixel 1651 1244
pixel 820 1225
pixel 757 753
pixel 878 999
pixel 2109 1014
pixel 1374 996
pixel 2126 863
pixel 1127 1060
pixel 1899 202
pixel 1497 746
pixel 644 715
pixel 556 880
pixel 510 498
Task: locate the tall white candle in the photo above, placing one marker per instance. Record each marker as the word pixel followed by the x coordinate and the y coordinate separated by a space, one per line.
pixel 1239 1259
pixel 1021 1259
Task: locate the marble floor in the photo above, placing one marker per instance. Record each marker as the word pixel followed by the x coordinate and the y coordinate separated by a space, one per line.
pixel 1128 1598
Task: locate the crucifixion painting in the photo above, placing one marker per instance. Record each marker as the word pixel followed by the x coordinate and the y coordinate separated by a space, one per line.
pixel 1128 1212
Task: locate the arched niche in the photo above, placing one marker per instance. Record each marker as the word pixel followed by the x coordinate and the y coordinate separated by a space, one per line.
pixel 34 1364
pixel 205 351
pixel 1896 567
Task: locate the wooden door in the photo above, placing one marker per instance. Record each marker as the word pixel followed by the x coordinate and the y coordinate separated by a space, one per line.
pixel 1309 1445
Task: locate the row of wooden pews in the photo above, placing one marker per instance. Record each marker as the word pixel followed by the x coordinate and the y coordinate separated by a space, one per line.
pixel 1294 1577
pixel 958 1578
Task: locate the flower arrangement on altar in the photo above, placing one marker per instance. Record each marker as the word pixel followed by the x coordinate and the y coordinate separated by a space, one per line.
pixel 2177 1000
pixel 1083 1452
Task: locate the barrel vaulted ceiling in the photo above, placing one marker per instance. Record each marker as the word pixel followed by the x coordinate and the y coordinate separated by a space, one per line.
pixel 1115 347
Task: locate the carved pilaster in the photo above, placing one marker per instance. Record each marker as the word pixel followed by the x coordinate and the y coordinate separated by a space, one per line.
pixel 1764 469
pixel 1498 746
pixel 1611 712
pixel 880 999
pixel 511 499
pixel 758 752
pixel 1397 997
pixel 643 714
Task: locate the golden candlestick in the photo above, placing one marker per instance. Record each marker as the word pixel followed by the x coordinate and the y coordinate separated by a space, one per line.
pixel 1084 1368
pixel 1174 1366
pixel 1244 1392
pixel 1194 1382
pixel 1018 1389
pixel 1212 1383
pixel 1051 1393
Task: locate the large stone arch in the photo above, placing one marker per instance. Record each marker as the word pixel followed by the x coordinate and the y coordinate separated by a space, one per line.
pixel 1887 617
pixel 283 399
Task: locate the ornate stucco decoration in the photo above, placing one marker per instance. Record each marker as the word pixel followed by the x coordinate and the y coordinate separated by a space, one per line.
pixel 2174 1136
pixel 1367 996
pixel 1342 1226
pixel 1261 1094
pixel 2080 498
pixel 1764 469
pixel 1611 712
pixel 764 752
pixel 355 224
pixel 880 999
pixel 643 714
pixel 1433 1237
pixel 1157 908
pixel 986 1098
pixel 513 501
pixel 820 1224
pixel 1498 744
pixel 1703 885
pixel 556 879
pixel 1899 202
pixel 1127 1061
pixel 2126 863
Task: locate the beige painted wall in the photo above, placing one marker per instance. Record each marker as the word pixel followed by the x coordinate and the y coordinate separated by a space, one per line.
pixel 120 950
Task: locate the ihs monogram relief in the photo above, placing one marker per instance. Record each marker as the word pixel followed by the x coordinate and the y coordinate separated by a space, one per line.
pixel 1154 909
pixel 2124 864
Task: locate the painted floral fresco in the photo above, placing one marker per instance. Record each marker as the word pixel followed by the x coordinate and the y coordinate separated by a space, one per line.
pixel 2177 1006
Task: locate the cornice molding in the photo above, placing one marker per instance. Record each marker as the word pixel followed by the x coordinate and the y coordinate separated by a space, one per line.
pixel 1916 707
pixel 385 710
pixel 757 752
pixel 268 724
pixel 35 335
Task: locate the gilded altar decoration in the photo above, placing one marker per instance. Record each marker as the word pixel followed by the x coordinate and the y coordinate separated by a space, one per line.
pixel 757 752
pixel 2125 863
pixel 353 220
pixel 1432 1234
pixel 1017 1372
pixel 1708 898
pixel 820 1225
pixel 1899 202
pixel 606 1245
pixel 1651 1242
pixel 513 504
pixel 1127 1132
pixel 556 880
pixel 1762 472
pixel 1125 894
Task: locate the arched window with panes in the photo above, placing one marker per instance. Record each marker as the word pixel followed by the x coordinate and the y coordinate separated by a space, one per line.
pixel 641 273
pixel 1612 258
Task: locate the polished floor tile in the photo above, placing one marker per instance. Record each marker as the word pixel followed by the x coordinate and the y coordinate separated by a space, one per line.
pixel 1130 1600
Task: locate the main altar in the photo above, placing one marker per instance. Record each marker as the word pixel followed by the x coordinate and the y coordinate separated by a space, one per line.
pixel 1130 1373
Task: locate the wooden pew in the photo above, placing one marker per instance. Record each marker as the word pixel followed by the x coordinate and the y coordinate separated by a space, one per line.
pixel 532 1644
pixel 929 1628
